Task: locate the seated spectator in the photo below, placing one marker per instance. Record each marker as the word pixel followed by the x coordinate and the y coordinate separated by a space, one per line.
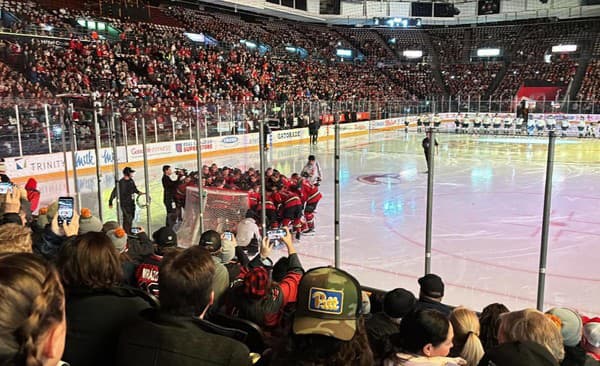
pixel 425 338
pixel 526 353
pixel 489 322
pixel 591 339
pixel 248 231
pixel 396 304
pixel 146 273
pixel 176 334
pixel 15 238
pixel 531 325
pixel 571 329
pixel 97 306
pixel 431 294
pixel 256 297
pixel 466 336
pixel 32 320
pixel 328 328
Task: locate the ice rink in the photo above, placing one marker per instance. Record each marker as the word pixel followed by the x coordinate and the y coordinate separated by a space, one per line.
pixel 486 219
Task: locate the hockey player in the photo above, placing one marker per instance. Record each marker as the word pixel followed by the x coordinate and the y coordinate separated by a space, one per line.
pixel 487 122
pixel 312 196
pixel 540 124
pixel 564 126
pixel 496 123
pixel 550 123
pixel 581 127
pixel 477 124
pixel 313 169
pixel 507 125
pixel 291 210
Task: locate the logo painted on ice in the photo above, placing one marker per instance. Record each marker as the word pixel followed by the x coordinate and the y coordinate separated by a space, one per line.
pixel 230 140
pixel 374 179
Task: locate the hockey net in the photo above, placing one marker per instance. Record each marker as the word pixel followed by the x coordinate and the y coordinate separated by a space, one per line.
pixel 223 210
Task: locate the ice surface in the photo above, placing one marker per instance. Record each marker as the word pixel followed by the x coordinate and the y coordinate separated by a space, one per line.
pixel 486 219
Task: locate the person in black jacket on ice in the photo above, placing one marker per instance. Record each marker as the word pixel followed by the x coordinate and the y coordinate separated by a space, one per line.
pixel 127 189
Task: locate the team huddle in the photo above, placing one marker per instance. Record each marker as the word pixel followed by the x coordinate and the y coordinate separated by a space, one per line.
pixel 289 201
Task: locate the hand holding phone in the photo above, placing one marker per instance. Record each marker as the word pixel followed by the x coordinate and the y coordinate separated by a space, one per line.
pixel 5 187
pixel 65 210
pixel 228 235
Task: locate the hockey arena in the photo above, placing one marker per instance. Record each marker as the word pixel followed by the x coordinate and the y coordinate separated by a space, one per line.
pixel 306 182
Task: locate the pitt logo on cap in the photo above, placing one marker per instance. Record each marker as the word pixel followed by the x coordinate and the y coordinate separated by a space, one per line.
pixel 326 301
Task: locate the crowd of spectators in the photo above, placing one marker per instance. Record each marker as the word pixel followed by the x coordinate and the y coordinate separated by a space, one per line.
pixel 471 80
pixel 89 293
pixel 560 73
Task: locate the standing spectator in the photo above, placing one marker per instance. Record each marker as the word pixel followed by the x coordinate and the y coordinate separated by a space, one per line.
pixel 176 334
pixel 15 238
pixel 526 353
pixel 146 273
pixel 97 306
pixel 127 189
pixel 591 339
pixel 169 188
pixel 32 320
pixel 431 294
pixel 248 231
pixel 328 327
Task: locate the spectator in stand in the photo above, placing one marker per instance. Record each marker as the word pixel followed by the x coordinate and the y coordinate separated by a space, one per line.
pixel 591 339
pixel 211 241
pixel 531 325
pixel 33 195
pixel 489 322
pixel 97 306
pixel 466 336
pixel 571 329
pixel 425 338
pixel 176 334
pixel 248 233
pixel 518 353
pixel 396 304
pixel 431 293
pixel 256 297
pixel 147 272
pixel 32 318
pixel 15 238
pixel 54 236
pixel 328 327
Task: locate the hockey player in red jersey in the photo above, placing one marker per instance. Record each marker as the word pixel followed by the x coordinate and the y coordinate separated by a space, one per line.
pixel 311 197
pixel 291 210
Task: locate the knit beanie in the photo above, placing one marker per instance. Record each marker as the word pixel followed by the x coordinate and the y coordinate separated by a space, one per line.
pixel 118 237
pixel 571 325
pixel 110 225
pixel 42 219
pixel 88 223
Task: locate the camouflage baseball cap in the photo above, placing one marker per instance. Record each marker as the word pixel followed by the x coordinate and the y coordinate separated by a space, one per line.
pixel 328 303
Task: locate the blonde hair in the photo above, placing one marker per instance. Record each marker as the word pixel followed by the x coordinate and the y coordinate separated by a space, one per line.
pixel 15 238
pixel 466 335
pixel 532 325
pixel 33 301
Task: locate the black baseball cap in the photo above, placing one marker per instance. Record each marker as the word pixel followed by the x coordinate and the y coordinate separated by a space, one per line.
pixel 128 170
pixel 432 285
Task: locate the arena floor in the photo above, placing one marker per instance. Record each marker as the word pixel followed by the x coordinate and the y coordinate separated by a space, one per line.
pixel 486 222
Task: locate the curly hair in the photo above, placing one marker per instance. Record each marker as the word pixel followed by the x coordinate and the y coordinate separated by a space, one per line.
pixel 320 350
pixel 489 321
pixel 32 300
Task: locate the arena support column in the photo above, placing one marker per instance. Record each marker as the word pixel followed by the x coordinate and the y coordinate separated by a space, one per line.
pixel 74 158
pixel 146 178
pixel 546 220
pixel 98 146
pixel 48 132
pixel 112 138
pixel 262 143
pixel 64 148
pixel 429 212
pixel 199 163
pixel 336 120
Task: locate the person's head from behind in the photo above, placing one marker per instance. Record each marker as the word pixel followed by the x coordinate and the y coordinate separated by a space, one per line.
pixel 431 287
pixel 571 325
pixel 15 238
pixel 466 335
pixel 185 281
pixel 328 328
pixel 92 261
pixel 489 321
pixel 211 241
pixel 32 318
pixel 591 338
pixel 425 333
pixel 397 303
pixel 531 325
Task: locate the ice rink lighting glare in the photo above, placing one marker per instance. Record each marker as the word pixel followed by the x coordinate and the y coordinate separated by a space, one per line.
pixel 412 53
pixel 563 48
pixel 488 52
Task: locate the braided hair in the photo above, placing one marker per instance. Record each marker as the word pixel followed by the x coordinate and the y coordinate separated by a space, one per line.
pixel 31 302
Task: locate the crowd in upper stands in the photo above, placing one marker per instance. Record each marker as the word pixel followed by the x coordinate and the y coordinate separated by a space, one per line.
pixel 158 64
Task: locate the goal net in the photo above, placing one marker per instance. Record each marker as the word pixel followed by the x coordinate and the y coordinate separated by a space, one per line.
pixel 223 210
